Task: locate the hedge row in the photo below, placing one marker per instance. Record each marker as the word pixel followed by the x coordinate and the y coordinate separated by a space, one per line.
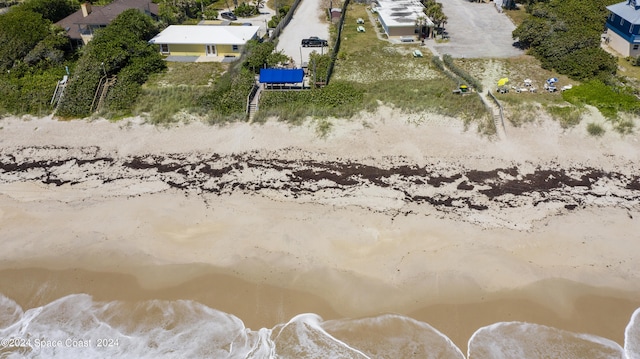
pixel 470 80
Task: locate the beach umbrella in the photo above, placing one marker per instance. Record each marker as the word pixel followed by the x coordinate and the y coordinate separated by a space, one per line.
pixel 503 81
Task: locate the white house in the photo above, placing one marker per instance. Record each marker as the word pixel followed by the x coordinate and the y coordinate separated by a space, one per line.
pixel 204 41
pixel 401 18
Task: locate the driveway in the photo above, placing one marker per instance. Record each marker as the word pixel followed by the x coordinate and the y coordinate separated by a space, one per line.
pixel 476 30
pixel 259 20
pixel 305 22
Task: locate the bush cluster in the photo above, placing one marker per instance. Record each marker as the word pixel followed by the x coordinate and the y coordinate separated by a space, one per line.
pixel 32 56
pixel 275 19
pixel 608 100
pixel 228 98
pixel 120 50
pixel 565 35
pixel 337 99
pixel 245 10
pixel 470 80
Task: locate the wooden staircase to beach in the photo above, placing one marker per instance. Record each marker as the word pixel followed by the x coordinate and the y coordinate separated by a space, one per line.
pixel 497 113
pixel 101 92
pixel 253 102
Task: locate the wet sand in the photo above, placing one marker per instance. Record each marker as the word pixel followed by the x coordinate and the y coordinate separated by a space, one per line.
pixel 267 222
pixel 265 306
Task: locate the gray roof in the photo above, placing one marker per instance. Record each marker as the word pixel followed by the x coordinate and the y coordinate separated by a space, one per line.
pixel 626 11
pixel 103 15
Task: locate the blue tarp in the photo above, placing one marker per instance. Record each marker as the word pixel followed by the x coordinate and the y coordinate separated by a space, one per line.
pixel 281 76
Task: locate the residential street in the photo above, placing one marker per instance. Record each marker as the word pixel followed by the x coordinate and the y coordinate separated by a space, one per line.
pixel 305 22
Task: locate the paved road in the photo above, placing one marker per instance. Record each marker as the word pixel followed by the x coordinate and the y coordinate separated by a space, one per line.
pixel 306 22
pixel 476 30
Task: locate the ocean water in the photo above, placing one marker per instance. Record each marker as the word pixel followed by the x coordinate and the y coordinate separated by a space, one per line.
pixel 78 327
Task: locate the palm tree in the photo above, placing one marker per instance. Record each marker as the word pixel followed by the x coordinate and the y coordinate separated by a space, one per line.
pixel 421 23
pixel 437 16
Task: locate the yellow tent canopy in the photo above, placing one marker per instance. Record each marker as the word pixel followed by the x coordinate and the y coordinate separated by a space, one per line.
pixel 503 81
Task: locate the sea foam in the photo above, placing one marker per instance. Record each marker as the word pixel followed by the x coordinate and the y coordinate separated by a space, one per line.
pixel 187 329
pixel 632 336
pixel 525 340
pixel 393 336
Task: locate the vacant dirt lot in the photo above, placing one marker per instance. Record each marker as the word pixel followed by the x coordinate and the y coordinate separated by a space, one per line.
pixel 476 30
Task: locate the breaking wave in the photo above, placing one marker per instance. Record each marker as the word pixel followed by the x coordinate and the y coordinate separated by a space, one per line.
pixel 78 327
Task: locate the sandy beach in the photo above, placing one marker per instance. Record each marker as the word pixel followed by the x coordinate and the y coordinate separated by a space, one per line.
pixel 390 213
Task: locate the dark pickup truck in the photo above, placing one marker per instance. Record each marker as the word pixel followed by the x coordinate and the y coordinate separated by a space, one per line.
pixel 314 41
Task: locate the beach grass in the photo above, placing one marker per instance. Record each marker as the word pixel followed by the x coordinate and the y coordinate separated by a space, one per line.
pixel 387 74
pixel 176 90
pixel 517 15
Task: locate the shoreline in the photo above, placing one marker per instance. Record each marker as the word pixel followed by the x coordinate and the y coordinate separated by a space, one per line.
pixel 408 215
pixel 594 311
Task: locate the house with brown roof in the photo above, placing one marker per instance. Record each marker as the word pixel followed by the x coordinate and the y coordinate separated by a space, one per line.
pixel 81 25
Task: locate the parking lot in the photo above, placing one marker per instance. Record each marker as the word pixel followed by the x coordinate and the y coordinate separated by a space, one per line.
pixel 476 30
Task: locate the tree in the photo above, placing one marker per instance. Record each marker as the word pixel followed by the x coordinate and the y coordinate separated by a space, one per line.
pixel 52 49
pixel 435 13
pixel 210 13
pixel 20 31
pixel 565 35
pixel 119 49
pixel 53 10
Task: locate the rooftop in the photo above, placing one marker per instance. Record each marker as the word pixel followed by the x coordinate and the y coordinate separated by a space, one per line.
pixel 401 12
pixel 203 34
pixel 103 15
pixel 627 10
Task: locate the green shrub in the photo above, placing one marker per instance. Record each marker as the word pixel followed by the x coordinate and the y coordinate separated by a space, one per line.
pixel 568 116
pixel 595 129
pixel 565 35
pixel 319 65
pixel 608 100
pixel 120 49
pixel 20 31
pixel 228 99
pixel 624 127
pixel 260 54
pixel 339 99
pixel 245 10
pixel 29 92
pixel 470 80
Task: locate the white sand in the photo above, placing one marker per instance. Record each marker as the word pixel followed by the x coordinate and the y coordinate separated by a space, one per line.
pixel 364 250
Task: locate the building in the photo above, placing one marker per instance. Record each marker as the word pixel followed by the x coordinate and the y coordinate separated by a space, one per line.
pixel 81 25
pixel 623 28
pixel 201 41
pixel 403 18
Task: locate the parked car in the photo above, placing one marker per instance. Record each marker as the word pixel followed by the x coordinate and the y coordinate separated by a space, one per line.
pixel 228 16
pixel 314 41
